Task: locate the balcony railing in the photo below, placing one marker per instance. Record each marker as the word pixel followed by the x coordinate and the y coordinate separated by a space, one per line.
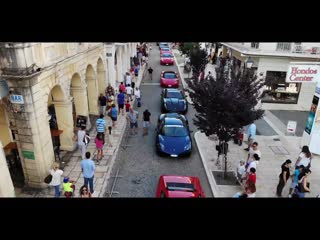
pixel 304 50
pixel 283 46
pixel 21 72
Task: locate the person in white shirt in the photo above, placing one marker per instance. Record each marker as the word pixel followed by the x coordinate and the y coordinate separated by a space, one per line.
pixel 56 178
pixel 137 94
pixel 129 92
pixel 253 150
pixel 83 140
pixel 304 157
pixel 254 163
pixel 128 79
pixel 240 170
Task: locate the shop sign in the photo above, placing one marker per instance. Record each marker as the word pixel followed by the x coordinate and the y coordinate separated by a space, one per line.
pixel 303 73
pixel 16 99
pixel 291 127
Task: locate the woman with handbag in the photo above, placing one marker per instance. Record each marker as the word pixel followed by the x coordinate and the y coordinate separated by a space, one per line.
pixel 56 174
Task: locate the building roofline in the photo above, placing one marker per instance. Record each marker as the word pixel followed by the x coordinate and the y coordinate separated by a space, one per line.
pixel 249 52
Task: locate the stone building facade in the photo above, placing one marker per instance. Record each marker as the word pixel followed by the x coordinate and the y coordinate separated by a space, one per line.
pixel 66 77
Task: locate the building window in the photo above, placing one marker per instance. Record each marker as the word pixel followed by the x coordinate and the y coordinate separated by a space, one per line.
pixel 255 45
pixel 283 46
pixel 278 91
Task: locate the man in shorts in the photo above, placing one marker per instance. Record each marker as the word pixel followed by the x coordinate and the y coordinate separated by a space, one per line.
pixel 146 122
pixel 132 117
pixel 121 102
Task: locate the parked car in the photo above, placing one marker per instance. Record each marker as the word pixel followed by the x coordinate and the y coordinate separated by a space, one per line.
pixel 179 187
pixel 163 45
pixel 169 79
pixel 173 135
pixel 166 58
pixel 173 100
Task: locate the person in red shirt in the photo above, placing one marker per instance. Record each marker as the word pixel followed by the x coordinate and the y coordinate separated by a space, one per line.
pixel 122 87
pixel 127 106
pixel 252 176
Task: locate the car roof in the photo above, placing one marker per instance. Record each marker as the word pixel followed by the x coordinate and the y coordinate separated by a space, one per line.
pixel 172 90
pixel 177 179
pixel 173 121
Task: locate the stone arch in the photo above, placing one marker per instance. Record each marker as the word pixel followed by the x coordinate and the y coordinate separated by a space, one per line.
pixel 102 76
pixel 79 95
pixel 60 109
pixel 92 90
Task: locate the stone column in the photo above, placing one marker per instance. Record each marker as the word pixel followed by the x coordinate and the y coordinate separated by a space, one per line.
pixel 65 123
pixel 6 186
pixel 92 92
pixel 80 101
pixel 119 67
pixel 224 51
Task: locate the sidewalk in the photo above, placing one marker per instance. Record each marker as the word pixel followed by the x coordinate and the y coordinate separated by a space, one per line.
pixel 103 170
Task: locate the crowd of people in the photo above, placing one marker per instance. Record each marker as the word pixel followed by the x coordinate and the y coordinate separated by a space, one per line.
pixel 246 171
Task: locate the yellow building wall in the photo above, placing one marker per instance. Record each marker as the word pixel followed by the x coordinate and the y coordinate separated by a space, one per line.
pixel 5 136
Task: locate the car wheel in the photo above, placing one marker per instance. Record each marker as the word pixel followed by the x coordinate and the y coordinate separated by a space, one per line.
pixel 162 195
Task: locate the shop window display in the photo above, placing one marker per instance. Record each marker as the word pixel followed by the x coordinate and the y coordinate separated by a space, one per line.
pixel 278 91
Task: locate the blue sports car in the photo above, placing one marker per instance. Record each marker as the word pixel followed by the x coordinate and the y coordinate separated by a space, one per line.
pixel 173 136
pixel 173 100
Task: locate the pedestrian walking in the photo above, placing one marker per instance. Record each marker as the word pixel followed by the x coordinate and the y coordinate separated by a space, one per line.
pixel 304 158
pixel 102 102
pixel 122 87
pixel 83 139
pixel 240 171
pixel 137 94
pixel 99 146
pixel 128 105
pixel 254 163
pixel 303 184
pixel 128 79
pixel 253 150
pixel 113 113
pixel 110 90
pixel 110 101
pixel 146 122
pixel 129 92
pixel 150 70
pixel 252 176
pixel 56 174
pixel 121 98
pixel 294 177
pixel 136 71
pixel 84 192
pixel 101 126
pixel 68 187
pixel 284 176
pixel 251 132
pixel 132 118
pixel 88 169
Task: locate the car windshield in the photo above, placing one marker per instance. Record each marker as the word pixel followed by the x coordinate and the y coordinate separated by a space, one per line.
pixel 174 131
pixel 169 75
pixel 186 187
pixel 167 55
pixel 174 95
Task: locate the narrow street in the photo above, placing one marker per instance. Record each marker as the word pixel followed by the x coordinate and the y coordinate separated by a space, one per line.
pixel 137 164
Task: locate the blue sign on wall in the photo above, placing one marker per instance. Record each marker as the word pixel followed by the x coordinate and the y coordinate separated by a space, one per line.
pixel 17 99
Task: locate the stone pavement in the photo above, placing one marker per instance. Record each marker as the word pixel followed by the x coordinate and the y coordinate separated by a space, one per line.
pixel 103 170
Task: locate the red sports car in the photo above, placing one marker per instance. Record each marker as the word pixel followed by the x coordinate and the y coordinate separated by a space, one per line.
pixel 166 58
pixel 169 79
pixel 179 187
